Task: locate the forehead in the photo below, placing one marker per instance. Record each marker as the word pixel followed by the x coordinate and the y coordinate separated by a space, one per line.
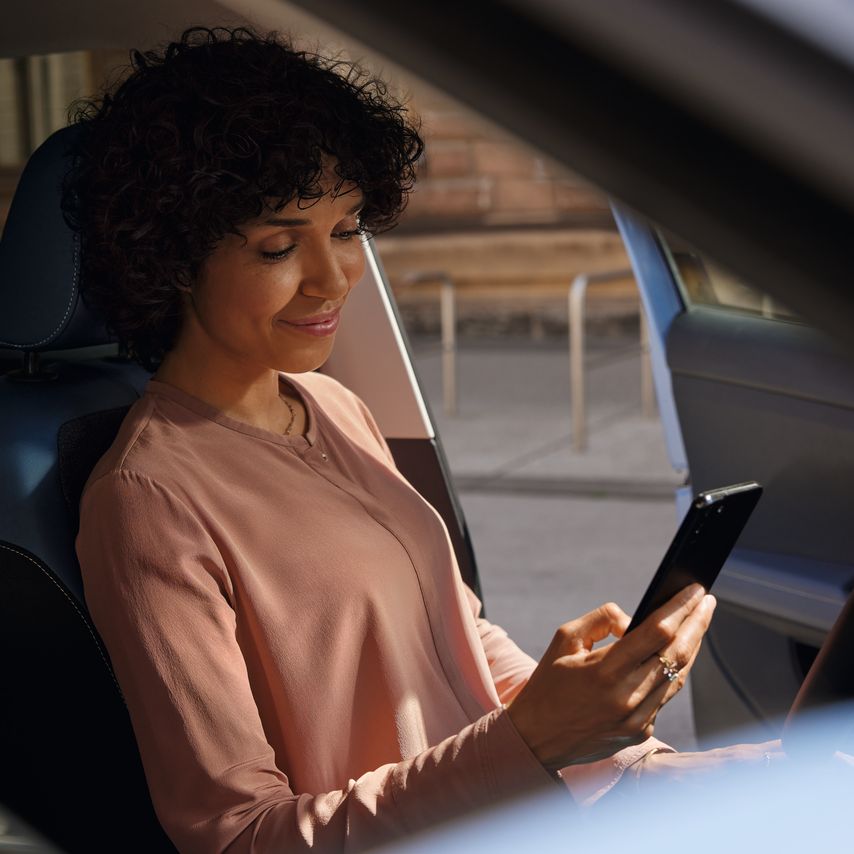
pixel 329 191
pixel 335 202
pixel 335 195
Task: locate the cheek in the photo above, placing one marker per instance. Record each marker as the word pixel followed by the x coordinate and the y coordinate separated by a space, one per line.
pixel 235 306
pixel 262 294
pixel 356 264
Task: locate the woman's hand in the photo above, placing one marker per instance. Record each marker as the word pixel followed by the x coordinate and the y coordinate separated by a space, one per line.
pixel 581 704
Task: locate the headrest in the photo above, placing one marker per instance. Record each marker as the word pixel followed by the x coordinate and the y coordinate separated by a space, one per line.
pixel 40 305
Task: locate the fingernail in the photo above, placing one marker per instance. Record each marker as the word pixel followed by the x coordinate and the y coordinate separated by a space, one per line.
pixel 695 590
pixel 709 602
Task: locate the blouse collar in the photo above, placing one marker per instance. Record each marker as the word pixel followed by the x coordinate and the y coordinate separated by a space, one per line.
pixel 206 410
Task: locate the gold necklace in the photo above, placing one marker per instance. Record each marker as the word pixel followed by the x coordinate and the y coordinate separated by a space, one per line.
pixel 293 415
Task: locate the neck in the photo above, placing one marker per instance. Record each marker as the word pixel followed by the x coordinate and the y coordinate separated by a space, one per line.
pixel 248 396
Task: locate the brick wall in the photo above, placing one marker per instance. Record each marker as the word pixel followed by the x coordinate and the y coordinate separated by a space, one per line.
pixel 475 176
pixel 508 225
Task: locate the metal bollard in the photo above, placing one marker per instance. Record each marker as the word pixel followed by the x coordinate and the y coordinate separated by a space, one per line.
pixel 448 325
pixel 448 311
pixel 577 386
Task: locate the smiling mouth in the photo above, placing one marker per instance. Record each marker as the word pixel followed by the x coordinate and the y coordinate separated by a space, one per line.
pixel 319 325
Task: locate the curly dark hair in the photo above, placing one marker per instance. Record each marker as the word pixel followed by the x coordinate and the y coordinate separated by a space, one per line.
pixel 203 136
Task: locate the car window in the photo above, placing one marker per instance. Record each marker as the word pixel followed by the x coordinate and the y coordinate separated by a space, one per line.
pixel 35 92
pixel 702 282
pixel 35 95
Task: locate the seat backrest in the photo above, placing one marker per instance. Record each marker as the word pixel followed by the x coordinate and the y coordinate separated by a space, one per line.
pixel 80 443
pixel 69 764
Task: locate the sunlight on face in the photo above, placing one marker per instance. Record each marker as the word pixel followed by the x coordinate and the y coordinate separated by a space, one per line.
pixel 273 300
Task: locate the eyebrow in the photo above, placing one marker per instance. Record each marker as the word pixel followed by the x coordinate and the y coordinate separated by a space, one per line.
pixel 281 221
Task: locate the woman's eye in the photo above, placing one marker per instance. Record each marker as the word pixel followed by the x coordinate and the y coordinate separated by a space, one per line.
pixel 353 232
pixel 340 235
pixel 277 256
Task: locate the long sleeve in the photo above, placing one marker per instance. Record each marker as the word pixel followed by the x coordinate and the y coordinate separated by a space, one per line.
pixel 160 594
pixel 510 668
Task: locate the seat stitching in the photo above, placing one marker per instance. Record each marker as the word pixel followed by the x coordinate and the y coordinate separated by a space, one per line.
pixel 73 605
pixel 61 324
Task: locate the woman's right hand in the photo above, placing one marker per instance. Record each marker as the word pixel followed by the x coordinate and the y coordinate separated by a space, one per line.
pixel 582 704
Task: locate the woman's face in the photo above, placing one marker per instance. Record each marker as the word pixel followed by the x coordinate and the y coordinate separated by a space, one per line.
pixel 273 301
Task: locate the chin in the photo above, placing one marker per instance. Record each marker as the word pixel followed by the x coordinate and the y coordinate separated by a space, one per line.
pixel 304 362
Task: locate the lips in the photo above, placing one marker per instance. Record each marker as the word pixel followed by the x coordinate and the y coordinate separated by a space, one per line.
pixel 317 324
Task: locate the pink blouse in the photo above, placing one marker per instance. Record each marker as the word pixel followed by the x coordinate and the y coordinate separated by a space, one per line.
pixel 302 664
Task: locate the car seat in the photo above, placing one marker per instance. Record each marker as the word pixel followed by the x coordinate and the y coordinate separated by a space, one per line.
pixel 69 764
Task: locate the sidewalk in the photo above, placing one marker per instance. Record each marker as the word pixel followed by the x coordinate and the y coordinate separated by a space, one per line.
pixel 512 430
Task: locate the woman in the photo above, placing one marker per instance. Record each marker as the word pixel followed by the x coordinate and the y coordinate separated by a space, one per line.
pixel 302 664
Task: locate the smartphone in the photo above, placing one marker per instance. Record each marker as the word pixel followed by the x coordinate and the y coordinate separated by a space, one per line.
pixel 701 545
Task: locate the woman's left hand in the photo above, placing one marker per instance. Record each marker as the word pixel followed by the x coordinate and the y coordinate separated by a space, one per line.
pixel 705 766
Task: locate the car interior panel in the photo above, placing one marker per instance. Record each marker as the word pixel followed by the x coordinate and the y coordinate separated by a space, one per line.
pixel 755 395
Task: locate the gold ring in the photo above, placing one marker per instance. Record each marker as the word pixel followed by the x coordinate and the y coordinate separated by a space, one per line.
pixel 670 668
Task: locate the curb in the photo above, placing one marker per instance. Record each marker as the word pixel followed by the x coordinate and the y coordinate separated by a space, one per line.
pixel 652 490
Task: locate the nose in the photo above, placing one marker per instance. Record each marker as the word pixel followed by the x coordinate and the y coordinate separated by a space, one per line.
pixel 331 271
